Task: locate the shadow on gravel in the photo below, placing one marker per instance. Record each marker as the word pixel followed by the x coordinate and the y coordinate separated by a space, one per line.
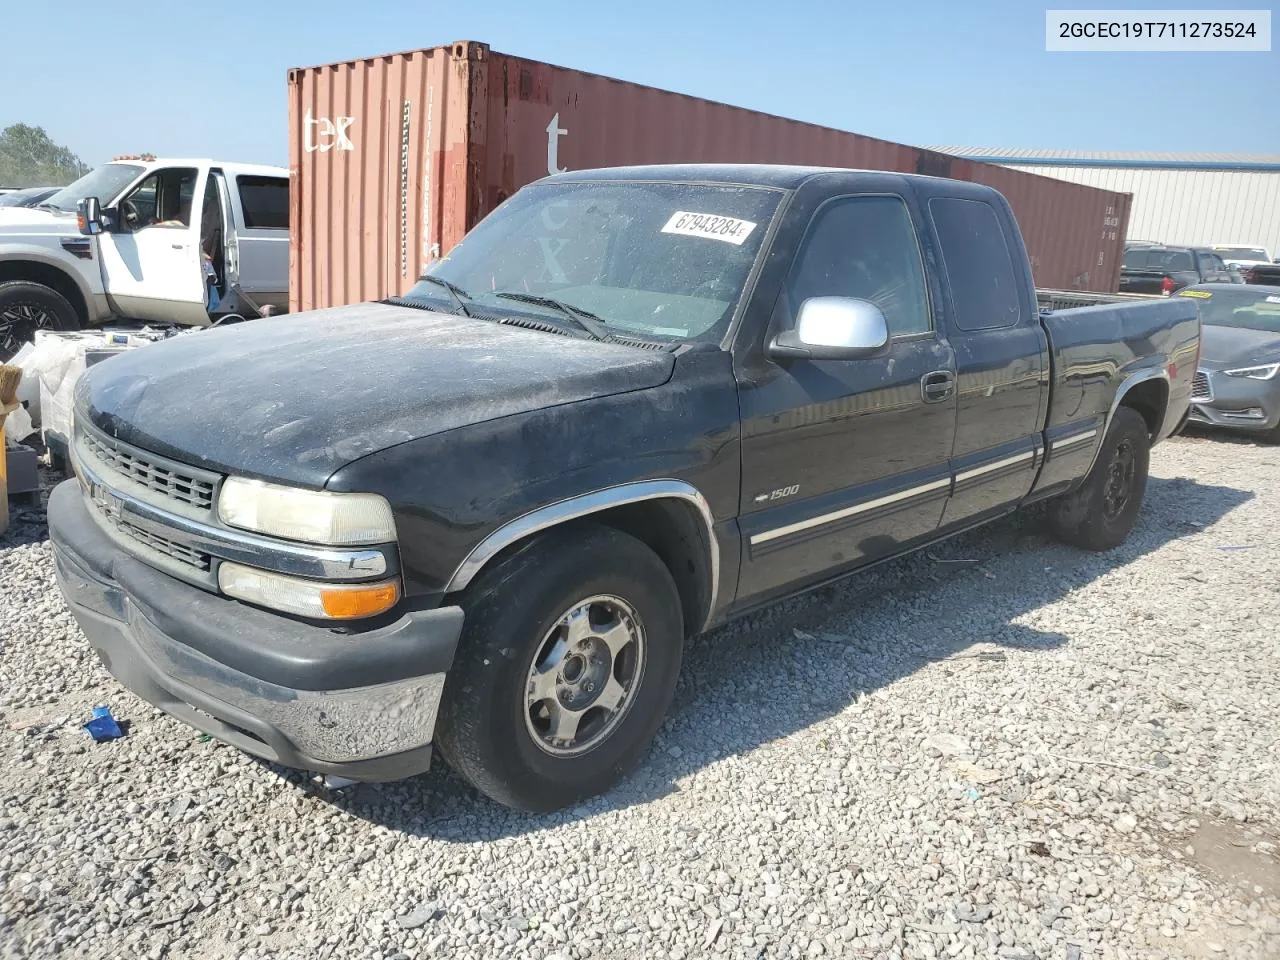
pixel 27 524
pixel 1222 435
pixel 800 661
pixel 27 521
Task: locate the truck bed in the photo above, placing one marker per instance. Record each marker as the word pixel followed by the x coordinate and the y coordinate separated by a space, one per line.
pixel 1094 350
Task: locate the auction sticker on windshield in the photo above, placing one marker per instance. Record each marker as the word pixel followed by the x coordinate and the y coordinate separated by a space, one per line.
pixel 1198 294
pixel 729 229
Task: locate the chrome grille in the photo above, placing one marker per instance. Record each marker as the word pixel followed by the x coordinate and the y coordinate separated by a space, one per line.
pixel 1201 392
pixel 188 556
pixel 154 473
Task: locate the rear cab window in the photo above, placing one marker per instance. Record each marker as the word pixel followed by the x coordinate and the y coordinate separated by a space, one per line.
pixel 265 202
pixel 979 263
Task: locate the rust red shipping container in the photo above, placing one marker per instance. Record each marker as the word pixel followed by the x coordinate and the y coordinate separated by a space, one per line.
pixel 395 157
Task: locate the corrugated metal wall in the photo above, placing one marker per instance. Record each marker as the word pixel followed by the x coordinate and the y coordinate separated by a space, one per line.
pixel 393 158
pixel 1189 206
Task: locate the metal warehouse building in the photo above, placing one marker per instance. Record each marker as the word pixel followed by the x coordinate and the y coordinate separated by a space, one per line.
pixel 1177 197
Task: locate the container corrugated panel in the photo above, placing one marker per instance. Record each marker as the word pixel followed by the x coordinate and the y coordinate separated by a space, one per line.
pixel 394 158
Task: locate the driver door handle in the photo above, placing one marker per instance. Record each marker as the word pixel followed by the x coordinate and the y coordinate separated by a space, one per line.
pixel 178 246
pixel 937 386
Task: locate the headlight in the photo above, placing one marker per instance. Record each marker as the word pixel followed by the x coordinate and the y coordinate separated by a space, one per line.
pixel 310 516
pixel 1264 372
pixel 307 598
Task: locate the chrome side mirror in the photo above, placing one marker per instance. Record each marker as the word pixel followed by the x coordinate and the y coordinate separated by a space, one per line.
pixel 833 328
pixel 89 216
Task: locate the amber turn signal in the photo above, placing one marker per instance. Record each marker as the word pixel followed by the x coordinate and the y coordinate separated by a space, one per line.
pixel 347 603
pixel 307 598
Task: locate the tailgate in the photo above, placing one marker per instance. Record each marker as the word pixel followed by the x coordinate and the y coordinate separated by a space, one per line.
pixel 1142 281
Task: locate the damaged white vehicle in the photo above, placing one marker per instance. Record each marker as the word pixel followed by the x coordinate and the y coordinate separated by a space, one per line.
pixel 141 239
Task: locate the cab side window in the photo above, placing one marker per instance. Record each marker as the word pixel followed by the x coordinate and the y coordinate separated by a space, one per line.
pixel 975 251
pixel 865 248
pixel 162 199
pixel 1210 263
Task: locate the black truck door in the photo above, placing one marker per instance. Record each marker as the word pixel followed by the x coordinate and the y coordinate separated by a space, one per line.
pixel 1001 356
pixel 845 462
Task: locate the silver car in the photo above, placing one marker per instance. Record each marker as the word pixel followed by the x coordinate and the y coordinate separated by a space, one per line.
pixel 1237 383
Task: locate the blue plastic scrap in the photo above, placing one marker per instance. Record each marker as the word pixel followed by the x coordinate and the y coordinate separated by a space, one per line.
pixel 103 726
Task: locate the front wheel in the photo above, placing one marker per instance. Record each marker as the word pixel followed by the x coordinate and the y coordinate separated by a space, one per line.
pixel 26 307
pixel 1099 514
pixel 566 667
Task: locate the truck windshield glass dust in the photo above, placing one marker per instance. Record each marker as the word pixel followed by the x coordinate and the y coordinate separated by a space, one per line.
pixel 104 183
pixel 659 260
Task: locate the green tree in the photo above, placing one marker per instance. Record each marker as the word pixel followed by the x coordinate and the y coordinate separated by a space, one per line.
pixel 28 158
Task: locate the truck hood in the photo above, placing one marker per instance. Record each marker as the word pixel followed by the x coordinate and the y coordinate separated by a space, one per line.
pixel 1237 346
pixel 28 220
pixel 295 398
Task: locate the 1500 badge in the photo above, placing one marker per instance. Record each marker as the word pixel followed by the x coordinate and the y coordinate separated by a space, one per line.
pixel 778 494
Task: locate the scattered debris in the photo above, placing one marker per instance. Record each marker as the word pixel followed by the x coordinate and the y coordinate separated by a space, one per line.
pixel 973 913
pixel 103 726
pixel 420 917
pixel 1038 848
pixel 1236 546
pixel 945 745
pixel 967 770
pixel 952 560
pixel 713 931
pixel 1126 823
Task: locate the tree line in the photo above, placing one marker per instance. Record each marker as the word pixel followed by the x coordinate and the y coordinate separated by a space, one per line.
pixel 30 158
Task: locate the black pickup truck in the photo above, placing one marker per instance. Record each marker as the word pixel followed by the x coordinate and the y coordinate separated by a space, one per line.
pixel 632 404
pixel 1157 269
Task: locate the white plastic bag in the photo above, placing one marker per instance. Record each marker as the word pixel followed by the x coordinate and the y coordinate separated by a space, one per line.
pixel 43 368
pixel 55 407
pixel 17 426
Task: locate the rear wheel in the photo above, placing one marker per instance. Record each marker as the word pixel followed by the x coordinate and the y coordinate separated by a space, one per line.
pixel 566 668
pixel 26 307
pixel 1099 514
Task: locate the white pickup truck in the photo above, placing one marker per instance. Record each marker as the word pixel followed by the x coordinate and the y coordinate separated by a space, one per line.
pixel 141 248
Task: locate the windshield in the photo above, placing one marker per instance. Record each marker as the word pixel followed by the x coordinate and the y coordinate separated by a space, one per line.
pixel 1237 308
pixel 1140 259
pixel 104 183
pixel 655 260
pixel 1241 253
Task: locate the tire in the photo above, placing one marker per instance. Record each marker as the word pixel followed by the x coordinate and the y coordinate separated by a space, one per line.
pixel 1099 514
pixel 26 307
pixel 496 725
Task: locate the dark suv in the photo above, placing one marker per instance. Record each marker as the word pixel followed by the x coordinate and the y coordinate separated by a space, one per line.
pixel 1156 268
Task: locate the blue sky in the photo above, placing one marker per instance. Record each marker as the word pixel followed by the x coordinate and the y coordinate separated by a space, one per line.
pixel 210 79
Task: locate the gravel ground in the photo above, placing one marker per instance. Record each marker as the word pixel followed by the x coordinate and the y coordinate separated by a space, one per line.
pixel 1040 754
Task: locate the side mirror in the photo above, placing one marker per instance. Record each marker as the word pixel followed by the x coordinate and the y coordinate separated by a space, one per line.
pixel 833 328
pixel 89 216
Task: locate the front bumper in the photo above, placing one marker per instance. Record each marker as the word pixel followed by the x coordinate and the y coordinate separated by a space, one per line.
pixel 1236 403
pixel 357 705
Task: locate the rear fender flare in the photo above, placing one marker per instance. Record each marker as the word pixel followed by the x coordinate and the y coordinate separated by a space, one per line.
pixel 1127 384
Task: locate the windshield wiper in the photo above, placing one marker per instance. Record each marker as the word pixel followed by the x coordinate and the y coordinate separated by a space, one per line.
pixel 46 205
pixel 585 319
pixel 455 291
